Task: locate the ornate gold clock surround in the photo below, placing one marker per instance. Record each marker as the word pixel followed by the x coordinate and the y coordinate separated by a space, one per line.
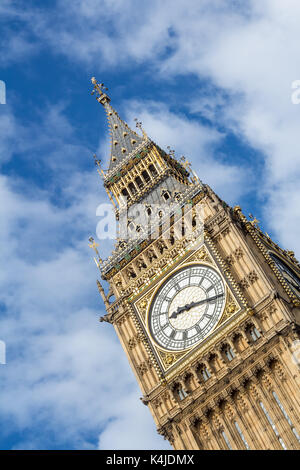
pixel 235 303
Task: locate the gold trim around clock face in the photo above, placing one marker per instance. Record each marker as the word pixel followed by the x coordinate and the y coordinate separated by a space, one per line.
pixel 182 266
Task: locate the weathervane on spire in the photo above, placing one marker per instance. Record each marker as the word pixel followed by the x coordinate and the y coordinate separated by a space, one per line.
pixel 94 246
pixel 100 89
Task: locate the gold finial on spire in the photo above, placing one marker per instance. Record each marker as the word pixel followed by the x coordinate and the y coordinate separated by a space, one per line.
pixel 100 89
pixel 98 164
pixel 185 163
pixel 97 160
pixel 94 246
pixel 254 220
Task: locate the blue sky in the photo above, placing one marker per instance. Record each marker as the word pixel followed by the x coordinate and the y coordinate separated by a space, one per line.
pixel 212 79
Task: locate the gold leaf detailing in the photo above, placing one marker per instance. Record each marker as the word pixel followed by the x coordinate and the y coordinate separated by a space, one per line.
pixel 169 359
pixel 230 308
pixel 201 255
pixel 144 303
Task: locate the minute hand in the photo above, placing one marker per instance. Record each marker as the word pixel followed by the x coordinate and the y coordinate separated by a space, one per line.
pixel 194 304
pixel 200 302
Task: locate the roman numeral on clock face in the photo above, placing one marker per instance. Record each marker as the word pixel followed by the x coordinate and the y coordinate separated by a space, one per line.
pixel 207 316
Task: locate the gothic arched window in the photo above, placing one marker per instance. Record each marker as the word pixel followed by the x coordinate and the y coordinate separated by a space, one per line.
pixel 254 333
pixel 165 194
pixel 228 351
pixel 286 415
pixel 272 425
pixel 205 373
pixel 181 393
pixel 241 435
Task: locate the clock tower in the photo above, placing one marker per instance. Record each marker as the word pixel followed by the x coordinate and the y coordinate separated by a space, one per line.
pixel 205 304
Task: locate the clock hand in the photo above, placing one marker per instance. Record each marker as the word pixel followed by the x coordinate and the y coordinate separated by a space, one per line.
pixel 200 302
pixel 193 304
pixel 179 310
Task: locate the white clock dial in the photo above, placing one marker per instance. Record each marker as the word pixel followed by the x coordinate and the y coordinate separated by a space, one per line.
pixel 187 307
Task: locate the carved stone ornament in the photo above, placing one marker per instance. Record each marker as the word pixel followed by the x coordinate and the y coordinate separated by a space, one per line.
pixel 142 305
pixel 201 255
pixel 230 308
pixel 169 359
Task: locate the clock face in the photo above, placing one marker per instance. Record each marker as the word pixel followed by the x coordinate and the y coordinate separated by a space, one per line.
pixel 186 307
pixel 290 277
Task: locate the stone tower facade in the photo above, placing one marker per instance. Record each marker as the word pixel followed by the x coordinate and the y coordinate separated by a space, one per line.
pixel 206 305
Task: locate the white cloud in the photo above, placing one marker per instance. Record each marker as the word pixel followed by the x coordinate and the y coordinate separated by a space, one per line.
pixel 58 380
pixel 17 42
pixel 8 132
pixel 194 140
pixel 16 48
pixel 247 51
pixel 116 435
pixel 59 373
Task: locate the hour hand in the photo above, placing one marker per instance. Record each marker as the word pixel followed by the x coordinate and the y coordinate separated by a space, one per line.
pixel 178 311
pixel 203 301
pixel 182 309
pixel 193 304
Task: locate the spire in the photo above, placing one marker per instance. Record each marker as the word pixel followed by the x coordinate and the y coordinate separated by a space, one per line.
pixel 124 141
